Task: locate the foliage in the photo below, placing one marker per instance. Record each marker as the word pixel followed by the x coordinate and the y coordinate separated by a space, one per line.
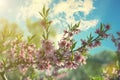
pixel 112 72
pixel 29 56
pixel 93 70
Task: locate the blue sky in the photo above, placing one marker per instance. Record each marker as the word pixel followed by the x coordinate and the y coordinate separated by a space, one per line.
pixel 90 12
pixel 109 13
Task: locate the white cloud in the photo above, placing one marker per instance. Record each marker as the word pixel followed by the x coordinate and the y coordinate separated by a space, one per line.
pixel 86 24
pixel 32 8
pixel 87 6
pixel 71 7
pixel 62 13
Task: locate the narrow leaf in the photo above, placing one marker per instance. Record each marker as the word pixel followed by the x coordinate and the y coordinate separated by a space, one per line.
pixel 41 14
pixel 44 10
pixel 47 11
pixel 73 46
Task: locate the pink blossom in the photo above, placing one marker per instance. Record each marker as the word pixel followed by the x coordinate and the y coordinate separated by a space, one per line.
pixel 118 33
pixel 69 44
pixel 22 54
pixel 38 53
pixel 75 65
pixel 83 42
pixel 31 49
pixel 107 27
pixel 23 69
pixel 119 47
pixel 76 31
pixel 118 73
pixel 97 31
pixel 104 35
pixel 113 40
pixel 80 59
pixel 62 43
pixel 30 58
pixel 90 45
pixel 97 43
pixel 69 64
pixel 48 47
pixel 43 66
pixel 40 66
pixel 70 34
pixel 65 31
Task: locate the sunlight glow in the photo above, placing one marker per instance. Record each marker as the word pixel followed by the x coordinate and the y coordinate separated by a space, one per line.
pixel 3 4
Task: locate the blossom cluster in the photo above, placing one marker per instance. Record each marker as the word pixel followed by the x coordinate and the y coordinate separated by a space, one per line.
pixel 113 75
pixel 116 41
pixel 115 72
pixel 21 54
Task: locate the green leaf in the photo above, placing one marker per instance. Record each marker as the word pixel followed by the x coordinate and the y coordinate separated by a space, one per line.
pixel 78 24
pixel 69 26
pixel 100 39
pixel 90 38
pixel 73 46
pixel 72 57
pixel 19 37
pixel 44 10
pixel 41 14
pixel 101 27
pixel 47 11
pixel 31 38
pixel 44 36
pixel 117 64
pixel 75 26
